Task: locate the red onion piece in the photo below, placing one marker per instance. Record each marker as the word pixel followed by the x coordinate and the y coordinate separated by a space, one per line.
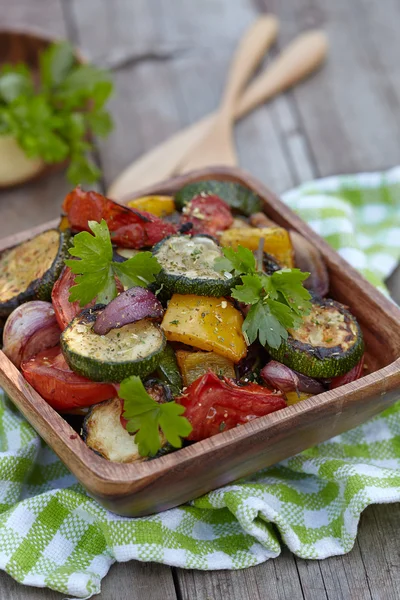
pixel 287 380
pixel 352 375
pixel 308 258
pixel 133 305
pixel 30 328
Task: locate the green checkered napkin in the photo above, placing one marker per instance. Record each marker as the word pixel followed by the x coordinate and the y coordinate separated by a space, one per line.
pixel 52 534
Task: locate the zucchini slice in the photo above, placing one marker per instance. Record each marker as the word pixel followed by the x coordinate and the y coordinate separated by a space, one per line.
pixel 134 349
pixel 328 343
pixel 188 266
pixel 28 271
pixel 168 370
pixel 240 198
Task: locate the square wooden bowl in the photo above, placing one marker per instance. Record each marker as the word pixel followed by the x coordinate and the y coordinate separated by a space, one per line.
pixel 153 486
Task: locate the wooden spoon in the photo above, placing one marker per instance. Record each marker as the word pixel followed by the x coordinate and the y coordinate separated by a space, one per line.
pixel 303 56
pixel 218 142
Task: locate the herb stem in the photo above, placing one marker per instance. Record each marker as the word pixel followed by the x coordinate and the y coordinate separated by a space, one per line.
pixel 260 254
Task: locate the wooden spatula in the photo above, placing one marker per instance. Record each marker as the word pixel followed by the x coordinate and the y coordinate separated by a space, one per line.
pixel 218 145
pixel 298 60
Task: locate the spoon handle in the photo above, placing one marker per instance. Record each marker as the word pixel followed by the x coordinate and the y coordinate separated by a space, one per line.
pixel 249 53
pixel 300 58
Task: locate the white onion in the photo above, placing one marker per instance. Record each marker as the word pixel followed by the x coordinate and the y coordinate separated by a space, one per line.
pixel 30 328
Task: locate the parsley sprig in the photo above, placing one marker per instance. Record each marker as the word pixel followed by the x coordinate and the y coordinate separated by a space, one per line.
pixel 96 270
pixel 50 114
pixel 278 301
pixel 146 417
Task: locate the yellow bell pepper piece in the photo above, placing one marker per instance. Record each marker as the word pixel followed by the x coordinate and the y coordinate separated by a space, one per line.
pixel 193 365
pixel 64 224
pixel 207 323
pixel 294 397
pixel 160 206
pixel 277 242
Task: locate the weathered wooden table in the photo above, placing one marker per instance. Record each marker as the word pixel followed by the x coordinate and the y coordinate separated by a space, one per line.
pixel 169 59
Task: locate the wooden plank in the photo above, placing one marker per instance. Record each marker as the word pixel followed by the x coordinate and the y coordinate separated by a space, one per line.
pixel 45 16
pixel 349 109
pixel 185 68
pixel 378 539
pixel 278 576
pixel 129 580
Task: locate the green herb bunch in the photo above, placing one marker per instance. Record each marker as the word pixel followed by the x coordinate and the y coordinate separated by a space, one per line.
pixel 278 301
pixel 52 113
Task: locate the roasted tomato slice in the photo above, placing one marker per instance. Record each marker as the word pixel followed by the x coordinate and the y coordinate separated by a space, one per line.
pixel 49 374
pixel 208 214
pixel 65 310
pixel 129 228
pixel 214 405
pixel 352 375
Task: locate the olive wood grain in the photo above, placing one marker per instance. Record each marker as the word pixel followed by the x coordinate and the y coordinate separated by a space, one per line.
pixel 139 489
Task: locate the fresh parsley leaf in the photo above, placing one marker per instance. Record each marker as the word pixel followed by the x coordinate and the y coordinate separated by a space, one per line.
pixel 250 291
pixel 146 417
pixel 289 282
pixel 237 261
pixel 56 63
pixel 13 85
pixel 137 270
pixel 261 323
pixel 278 301
pixel 96 271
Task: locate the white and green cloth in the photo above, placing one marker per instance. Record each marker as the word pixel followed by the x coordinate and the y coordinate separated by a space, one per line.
pixel 52 534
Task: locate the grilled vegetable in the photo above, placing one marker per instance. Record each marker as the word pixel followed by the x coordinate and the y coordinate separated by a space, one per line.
pixel 207 323
pixel 328 343
pixel 286 380
pixel 187 266
pixel 104 433
pixel 296 397
pixel 135 304
pixel 270 264
pixel 352 375
pixel 168 371
pixel 261 220
pixel 214 405
pixel 31 328
pixel 308 258
pixel 49 374
pixel 123 254
pixel 207 214
pixel 128 227
pixel 134 349
pixel 237 196
pixel 160 391
pixel 160 206
pixel 65 310
pixel 28 271
pixel 276 242
pixel 195 364
pixel 240 223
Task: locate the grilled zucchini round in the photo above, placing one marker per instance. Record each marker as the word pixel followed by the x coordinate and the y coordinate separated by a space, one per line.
pixel 328 343
pixel 28 271
pixel 188 266
pixel 240 198
pixel 134 349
